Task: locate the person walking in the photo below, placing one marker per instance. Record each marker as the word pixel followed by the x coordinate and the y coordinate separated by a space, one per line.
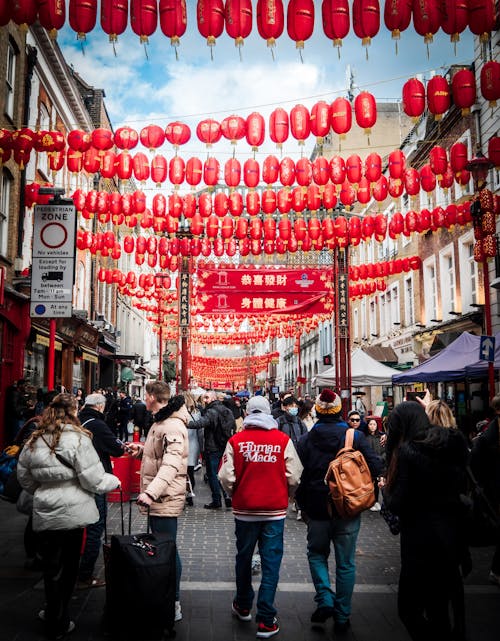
pixel 61 468
pixel 316 450
pixel 425 477
pixel 289 422
pixel 164 466
pixel 219 425
pixel 255 459
pixel 106 444
pixel 124 415
pixel 140 417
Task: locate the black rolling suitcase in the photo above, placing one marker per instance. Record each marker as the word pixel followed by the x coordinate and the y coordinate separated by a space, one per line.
pixel 140 585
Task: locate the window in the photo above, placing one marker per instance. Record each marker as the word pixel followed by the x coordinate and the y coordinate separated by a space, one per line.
pixel 355 322
pixel 468 273
pixel 409 301
pixel 430 288
pixel 448 283
pixel 394 311
pixel 5 190
pixel 10 79
pixel 373 317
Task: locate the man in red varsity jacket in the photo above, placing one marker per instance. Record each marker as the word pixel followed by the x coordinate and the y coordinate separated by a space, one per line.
pixel 260 469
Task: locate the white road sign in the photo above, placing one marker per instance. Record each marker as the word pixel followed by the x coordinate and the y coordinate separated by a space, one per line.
pixel 54 231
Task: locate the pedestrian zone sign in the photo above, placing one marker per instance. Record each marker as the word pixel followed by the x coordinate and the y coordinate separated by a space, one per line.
pixel 487 349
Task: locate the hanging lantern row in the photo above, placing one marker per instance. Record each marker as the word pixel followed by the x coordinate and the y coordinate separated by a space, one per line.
pixel 385 268
pixel 237 18
pixel 485 245
pixel 439 93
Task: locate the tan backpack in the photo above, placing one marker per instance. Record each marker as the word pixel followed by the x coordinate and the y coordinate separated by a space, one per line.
pixel 349 480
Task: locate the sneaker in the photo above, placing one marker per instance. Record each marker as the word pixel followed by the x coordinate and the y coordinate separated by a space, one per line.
pixel 242 613
pixel 341 627
pixel 375 507
pixel 178 611
pixel 228 502
pixel 197 467
pixel 299 515
pixel 321 614
pixel 212 506
pixel 191 495
pixel 256 564
pixel 265 631
pixel 41 615
pixel 93 582
pixel 494 578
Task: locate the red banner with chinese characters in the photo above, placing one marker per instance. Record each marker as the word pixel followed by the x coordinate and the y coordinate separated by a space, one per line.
pixel 277 303
pixel 265 281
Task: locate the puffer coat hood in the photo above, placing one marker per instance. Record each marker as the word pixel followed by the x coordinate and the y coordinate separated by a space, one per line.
pixel 64 496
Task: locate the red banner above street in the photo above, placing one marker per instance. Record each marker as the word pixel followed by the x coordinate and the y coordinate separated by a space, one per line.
pixel 265 281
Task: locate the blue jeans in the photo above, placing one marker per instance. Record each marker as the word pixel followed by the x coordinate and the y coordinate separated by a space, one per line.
pixel 168 525
pixel 93 541
pixel 269 536
pixel 212 460
pixel 344 534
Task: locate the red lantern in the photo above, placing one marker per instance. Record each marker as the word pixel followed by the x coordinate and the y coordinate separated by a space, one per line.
pixel 269 228
pixel 82 16
pixel 337 170
pixel 108 168
pixel 177 133
pixel 303 171
pixel 279 126
pixel 251 173
pixel 197 225
pixel 396 164
pixel 159 205
pixel 299 199
pixel 284 228
pixel 366 20
pixel 412 181
pixel 413 98
pixel 173 20
pixel 427 18
pixel 210 18
pixel 221 204
pixel 79 140
pixel 238 14
pixel 446 180
pixel 347 194
pixel 482 18
pixel 438 96
pixel 320 170
pixel 255 130
pixel 458 156
pixel 397 16
pixel 494 151
pixel 300 123
pixel 287 172
pixel 300 21
pixel 336 24
pixel 102 139
pixel 123 165
pixel 209 131
pixel 373 167
pixel 329 197
pixel 313 198
pixel 364 193
pixel 125 138
pixel 284 201
pixel 158 170
pixel 354 168
pixel 189 205
pixel 212 226
pixel 194 171
pixel 270 170
pixel 270 20
pixel 253 203
pixel 152 137
pixel 438 161
pixel 320 120
pixel 176 171
pixel 490 82
pixel 241 230
pixel 454 18
pixel 114 17
pixel 140 166
pixel 365 111
pixel 52 15
pixel 269 201
pixel 256 229
pixel 341 116
pixel 463 87
pixel 233 128
pixel 427 179
pixel 232 172
pixel 235 203
pixel 211 169
pixel 144 18
pixel 74 161
pixel 380 189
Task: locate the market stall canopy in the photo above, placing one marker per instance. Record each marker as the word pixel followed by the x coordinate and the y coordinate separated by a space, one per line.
pixel 458 361
pixel 365 372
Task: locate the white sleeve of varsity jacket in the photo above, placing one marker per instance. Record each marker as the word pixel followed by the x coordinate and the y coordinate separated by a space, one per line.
pixel 293 468
pixel 226 473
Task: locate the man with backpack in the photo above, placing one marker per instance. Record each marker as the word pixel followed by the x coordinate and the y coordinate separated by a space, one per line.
pixel 316 450
pixel 219 425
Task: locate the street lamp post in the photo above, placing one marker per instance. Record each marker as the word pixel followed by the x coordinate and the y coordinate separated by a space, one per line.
pixel 479 167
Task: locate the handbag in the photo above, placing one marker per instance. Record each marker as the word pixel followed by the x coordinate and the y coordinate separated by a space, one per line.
pixel 10 488
pixel 482 521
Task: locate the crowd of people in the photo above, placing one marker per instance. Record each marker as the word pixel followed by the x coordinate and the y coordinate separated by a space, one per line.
pixel 418 461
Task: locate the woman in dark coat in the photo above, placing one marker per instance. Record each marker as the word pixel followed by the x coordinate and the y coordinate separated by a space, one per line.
pixel 426 473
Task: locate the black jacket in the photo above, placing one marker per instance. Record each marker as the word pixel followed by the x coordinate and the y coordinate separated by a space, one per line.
pixel 292 426
pixel 104 440
pixel 485 461
pixel 316 450
pixel 219 425
pixel 140 415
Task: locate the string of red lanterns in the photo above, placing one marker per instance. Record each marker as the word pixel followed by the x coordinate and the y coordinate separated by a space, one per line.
pixel 237 18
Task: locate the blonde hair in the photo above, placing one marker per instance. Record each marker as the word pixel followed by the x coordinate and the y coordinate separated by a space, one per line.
pixel 440 414
pixel 160 390
pixel 190 402
pixel 59 413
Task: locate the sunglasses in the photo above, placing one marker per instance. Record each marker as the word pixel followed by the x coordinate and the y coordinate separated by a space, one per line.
pixel 355 420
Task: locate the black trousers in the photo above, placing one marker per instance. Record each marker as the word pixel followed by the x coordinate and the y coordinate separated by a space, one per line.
pixel 60 554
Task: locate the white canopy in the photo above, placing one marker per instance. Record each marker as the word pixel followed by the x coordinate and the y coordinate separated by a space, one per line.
pixel 365 371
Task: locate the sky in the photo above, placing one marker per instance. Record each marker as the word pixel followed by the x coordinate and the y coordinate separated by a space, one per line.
pixel 147 84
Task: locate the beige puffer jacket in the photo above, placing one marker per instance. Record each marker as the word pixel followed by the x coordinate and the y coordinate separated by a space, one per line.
pixel 164 464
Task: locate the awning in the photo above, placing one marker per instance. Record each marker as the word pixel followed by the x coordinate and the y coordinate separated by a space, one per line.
pixel 381 354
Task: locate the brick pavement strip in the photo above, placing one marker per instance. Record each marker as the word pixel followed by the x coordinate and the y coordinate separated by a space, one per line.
pixel 207 548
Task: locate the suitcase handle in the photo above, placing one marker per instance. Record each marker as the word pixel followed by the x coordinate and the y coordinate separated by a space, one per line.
pixel 122 518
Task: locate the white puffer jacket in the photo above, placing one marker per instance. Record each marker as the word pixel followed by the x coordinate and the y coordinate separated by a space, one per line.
pixel 64 497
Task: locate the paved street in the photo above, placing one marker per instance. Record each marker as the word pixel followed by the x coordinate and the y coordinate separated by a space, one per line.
pixel 206 544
